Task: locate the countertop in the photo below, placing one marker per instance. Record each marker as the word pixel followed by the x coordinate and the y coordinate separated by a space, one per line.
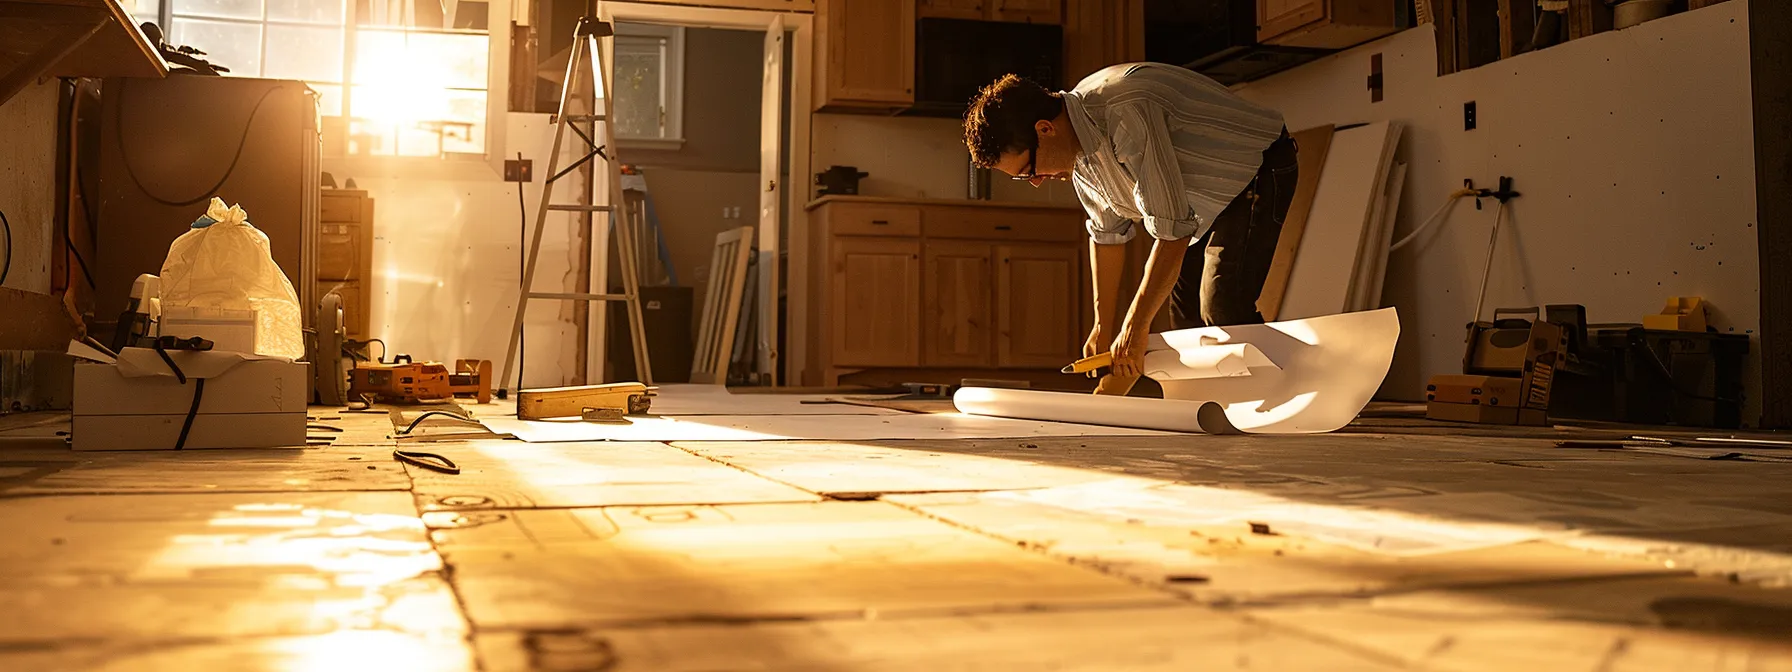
pixel 892 200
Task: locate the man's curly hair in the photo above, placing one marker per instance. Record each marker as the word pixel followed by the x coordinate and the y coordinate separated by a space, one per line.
pixel 1002 115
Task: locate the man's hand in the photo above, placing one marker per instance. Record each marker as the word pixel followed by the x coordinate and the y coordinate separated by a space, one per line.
pixel 1129 352
pixel 1100 338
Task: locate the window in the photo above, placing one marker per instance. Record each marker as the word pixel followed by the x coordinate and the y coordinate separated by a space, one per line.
pixel 649 86
pixel 399 78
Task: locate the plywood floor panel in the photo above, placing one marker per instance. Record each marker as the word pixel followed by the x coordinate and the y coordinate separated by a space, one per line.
pixel 513 474
pixel 839 468
pixel 1141 640
pixel 65 472
pixel 647 565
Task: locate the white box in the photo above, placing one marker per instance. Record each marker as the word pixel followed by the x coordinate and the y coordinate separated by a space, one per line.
pixel 228 330
pixel 137 403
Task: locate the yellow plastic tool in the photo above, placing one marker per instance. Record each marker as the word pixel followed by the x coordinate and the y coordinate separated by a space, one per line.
pixel 1088 365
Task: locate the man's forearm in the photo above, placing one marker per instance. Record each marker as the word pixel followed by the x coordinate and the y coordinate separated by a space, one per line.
pixel 1107 262
pixel 1161 271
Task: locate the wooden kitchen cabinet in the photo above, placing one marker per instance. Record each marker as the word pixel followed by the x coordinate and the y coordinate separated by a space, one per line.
pixel 956 302
pixel 953 9
pixel 1027 11
pixel 1018 11
pixel 345 255
pixel 864 55
pixel 1038 319
pixel 876 302
pixel 1324 24
pixel 938 290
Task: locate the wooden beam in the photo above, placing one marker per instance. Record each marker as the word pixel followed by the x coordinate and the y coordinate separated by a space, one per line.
pixel 1770 45
pixel 1518 19
pixel 1443 13
pixel 35 321
pixel 1588 17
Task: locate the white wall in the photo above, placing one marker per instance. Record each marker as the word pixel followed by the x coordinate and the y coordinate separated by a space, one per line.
pixel 1634 154
pixel 448 247
pixel 912 157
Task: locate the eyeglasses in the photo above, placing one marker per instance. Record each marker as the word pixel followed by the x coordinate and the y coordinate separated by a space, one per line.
pixel 1032 159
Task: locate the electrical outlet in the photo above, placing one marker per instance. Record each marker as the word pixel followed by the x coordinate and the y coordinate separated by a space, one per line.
pixel 1468 116
pixel 519 170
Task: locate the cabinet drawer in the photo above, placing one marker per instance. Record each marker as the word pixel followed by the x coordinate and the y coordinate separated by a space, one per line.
pixel 354 305
pixel 984 223
pixel 336 208
pixel 853 219
pixel 339 253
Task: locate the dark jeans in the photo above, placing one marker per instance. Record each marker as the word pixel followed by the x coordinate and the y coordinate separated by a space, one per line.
pixel 1225 269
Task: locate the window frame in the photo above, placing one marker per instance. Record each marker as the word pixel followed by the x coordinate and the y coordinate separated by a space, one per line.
pixel 335 149
pixel 671 83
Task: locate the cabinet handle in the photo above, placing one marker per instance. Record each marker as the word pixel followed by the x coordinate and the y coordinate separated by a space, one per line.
pixel 1004 227
pixel 881 222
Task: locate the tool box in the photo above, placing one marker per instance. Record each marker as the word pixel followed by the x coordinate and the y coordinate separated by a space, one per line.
pixel 1509 368
pixel 1658 377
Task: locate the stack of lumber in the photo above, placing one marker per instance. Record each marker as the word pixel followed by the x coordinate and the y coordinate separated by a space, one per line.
pixel 1333 252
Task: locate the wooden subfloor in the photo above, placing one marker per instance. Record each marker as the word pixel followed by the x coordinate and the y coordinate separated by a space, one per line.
pixel 1397 544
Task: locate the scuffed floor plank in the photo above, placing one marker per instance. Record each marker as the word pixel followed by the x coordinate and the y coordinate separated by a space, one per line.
pixel 1232 564
pixel 836 468
pixel 1617 625
pixel 124 568
pixel 65 472
pixel 512 474
pixel 1140 640
pixel 542 569
pixel 341 651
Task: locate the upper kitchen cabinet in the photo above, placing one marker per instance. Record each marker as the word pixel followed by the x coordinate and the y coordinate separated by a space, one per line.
pixel 1018 11
pixel 865 55
pixel 1324 24
pixel 954 9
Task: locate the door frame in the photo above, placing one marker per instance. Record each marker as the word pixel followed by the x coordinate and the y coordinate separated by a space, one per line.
pixel 1770 38
pixel 799 28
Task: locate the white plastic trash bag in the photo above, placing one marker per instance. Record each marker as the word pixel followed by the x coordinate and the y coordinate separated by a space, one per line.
pixel 223 264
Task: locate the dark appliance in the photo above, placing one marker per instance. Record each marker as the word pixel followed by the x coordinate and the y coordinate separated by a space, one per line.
pixel 956 57
pixel 1217 38
pixel 666 315
pixel 840 180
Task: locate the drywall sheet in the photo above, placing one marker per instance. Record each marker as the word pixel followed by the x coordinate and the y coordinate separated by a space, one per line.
pixel 1635 159
pixel 1371 283
pixel 1174 639
pixel 848 468
pixel 797 428
pixel 510 474
pixel 1321 279
pixel 1325 370
pixel 219 566
pixel 547 568
pixel 682 400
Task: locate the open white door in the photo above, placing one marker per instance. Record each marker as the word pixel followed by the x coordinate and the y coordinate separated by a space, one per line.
pixel 771 197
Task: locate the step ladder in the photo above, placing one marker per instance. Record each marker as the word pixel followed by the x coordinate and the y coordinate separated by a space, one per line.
pixel 585 50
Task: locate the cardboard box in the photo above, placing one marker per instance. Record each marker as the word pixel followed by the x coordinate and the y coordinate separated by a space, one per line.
pixel 1484 390
pixel 137 403
pixel 1484 414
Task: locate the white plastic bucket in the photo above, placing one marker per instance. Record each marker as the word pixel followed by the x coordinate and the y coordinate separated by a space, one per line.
pixel 228 330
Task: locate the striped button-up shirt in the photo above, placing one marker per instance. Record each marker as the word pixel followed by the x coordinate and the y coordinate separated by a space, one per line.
pixel 1162 146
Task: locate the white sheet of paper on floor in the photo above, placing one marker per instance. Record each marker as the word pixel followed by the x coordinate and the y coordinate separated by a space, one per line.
pixel 1319 374
pixel 798 427
pixel 689 400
